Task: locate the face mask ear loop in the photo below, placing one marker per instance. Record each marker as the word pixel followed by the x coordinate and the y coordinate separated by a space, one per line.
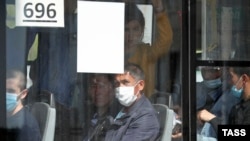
pixel 137 84
pixel 238 82
pixel 20 94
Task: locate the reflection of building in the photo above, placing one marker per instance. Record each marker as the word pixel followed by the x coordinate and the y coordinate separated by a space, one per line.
pixel 222 30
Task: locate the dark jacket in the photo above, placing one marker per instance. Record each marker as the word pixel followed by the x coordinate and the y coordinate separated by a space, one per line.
pixel 23 127
pixel 218 101
pixel 140 123
pixel 221 109
pixel 240 113
pixel 97 126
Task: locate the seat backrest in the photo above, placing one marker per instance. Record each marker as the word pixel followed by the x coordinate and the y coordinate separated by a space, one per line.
pixel 161 97
pixel 165 117
pixel 46 117
pixel 46 97
pixel 45 114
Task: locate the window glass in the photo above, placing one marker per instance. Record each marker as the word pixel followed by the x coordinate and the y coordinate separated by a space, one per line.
pixel 48 58
pixel 224 30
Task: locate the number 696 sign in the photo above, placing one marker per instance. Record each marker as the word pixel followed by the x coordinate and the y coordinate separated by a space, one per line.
pixel 40 13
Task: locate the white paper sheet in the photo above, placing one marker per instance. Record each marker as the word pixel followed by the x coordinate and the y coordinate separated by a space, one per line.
pixel 100 37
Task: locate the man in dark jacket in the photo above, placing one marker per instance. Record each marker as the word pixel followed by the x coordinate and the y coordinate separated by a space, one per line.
pixel 137 120
pixel 21 124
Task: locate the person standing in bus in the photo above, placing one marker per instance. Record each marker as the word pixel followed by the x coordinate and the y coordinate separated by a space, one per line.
pixel 137 119
pixel 21 124
pixel 144 54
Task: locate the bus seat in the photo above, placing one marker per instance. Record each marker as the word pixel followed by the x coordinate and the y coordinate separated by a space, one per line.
pixel 46 118
pixel 45 114
pixel 161 97
pixel 165 117
pixel 46 97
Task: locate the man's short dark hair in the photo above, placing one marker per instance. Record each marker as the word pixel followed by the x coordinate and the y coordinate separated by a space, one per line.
pixel 110 77
pixel 132 12
pixel 16 73
pixel 135 70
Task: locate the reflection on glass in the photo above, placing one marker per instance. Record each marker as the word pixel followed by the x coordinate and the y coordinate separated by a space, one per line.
pixel 224 26
pixel 48 56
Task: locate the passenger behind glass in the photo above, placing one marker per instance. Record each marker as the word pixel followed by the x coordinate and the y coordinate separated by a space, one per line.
pixel 240 112
pixel 104 104
pixel 21 124
pixel 222 107
pixel 137 120
pixel 210 89
pixel 144 54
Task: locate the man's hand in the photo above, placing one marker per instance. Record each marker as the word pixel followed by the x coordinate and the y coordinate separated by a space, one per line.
pixel 205 115
pixel 158 5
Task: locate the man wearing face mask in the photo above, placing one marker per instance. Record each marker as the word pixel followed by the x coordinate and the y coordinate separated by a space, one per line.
pixel 210 89
pixel 137 120
pixel 21 125
pixel 240 113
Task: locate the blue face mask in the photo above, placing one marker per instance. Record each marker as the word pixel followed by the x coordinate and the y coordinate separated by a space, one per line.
pixel 11 101
pixel 237 93
pixel 213 83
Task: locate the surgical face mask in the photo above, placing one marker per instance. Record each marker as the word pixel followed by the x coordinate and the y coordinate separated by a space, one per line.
pixel 237 93
pixel 126 95
pixel 11 101
pixel 213 83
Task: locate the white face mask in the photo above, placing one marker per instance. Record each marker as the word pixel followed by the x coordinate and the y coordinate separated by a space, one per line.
pixel 125 95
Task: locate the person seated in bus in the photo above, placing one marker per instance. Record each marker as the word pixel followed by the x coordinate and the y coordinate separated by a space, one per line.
pixel 240 112
pixel 222 107
pixel 137 119
pixel 209 90
pixel 21 124
pixel 103 104
pixel 144 54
